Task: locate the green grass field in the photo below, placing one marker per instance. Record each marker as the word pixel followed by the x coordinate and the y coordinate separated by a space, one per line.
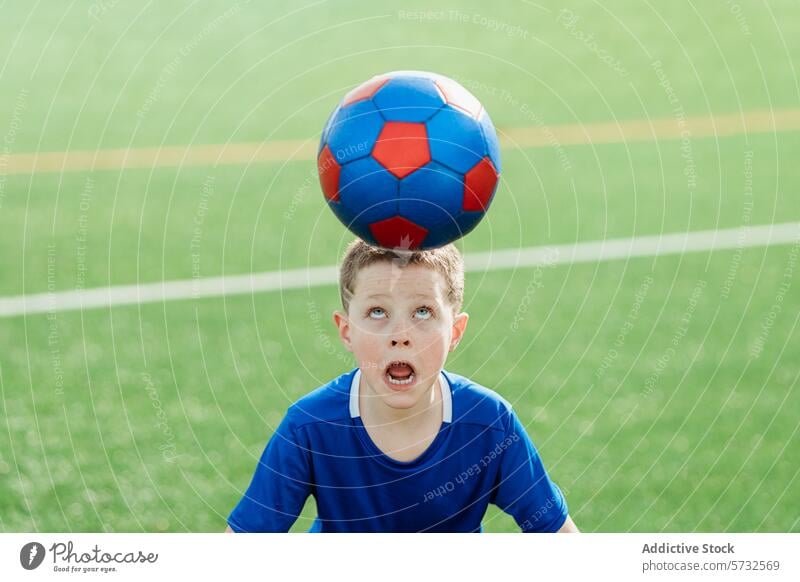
pixel 662 392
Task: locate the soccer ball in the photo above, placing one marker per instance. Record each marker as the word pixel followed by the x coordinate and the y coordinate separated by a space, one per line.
pixel 409 160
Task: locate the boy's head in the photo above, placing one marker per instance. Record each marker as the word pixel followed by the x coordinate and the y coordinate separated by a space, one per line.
pixel 401 317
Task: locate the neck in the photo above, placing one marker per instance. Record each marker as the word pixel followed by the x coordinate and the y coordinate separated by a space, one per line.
pixel 375 412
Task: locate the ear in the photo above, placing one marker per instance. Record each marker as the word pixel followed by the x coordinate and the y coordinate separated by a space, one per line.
pixel 343 325
pixel 459 327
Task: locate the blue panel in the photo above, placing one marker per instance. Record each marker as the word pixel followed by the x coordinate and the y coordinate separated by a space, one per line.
pixel 353 131
pixel 367 193
pixel 469 220
pixel 453 230
pixel 408 98
pixel 431 196
pixel 443 234
pixel 326 130
pixel 455 139
pixel 360 229
pixel 490 136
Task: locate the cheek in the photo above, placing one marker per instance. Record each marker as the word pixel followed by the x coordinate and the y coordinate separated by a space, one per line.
pixel 365 329
pixel 367 341
pixel 372 333
pixel 434 340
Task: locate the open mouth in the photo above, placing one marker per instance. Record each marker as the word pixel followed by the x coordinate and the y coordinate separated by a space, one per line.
pixel 400 373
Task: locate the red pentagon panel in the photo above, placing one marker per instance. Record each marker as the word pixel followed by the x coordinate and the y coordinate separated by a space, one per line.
pixel 329 170
pixel 398 233
pixel 459 97
pixel 479 185
pixel 365 90
pixel 402 147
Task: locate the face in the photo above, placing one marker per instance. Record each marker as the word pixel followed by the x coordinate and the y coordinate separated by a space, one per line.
pixel 400 328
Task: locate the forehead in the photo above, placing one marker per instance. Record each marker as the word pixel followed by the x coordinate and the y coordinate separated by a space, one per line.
pixel 388 280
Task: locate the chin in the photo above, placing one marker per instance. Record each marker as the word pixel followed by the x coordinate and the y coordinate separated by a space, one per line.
pixel 401 401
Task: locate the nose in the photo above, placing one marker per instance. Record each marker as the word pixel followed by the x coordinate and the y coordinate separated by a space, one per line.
pixel 400 335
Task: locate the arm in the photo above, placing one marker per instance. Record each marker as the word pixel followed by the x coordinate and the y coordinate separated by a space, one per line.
pixel 569 527
pixel 523 488
pixel 280 486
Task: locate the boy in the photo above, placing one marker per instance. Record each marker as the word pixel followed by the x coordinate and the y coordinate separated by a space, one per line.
pixel 399 444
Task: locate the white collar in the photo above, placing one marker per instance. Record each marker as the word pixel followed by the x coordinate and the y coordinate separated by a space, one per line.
pixel 444 385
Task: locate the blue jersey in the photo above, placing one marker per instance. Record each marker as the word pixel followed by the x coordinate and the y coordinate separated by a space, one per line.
pixel 480 455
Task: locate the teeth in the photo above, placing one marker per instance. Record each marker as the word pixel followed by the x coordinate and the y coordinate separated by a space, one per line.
pixel 408 380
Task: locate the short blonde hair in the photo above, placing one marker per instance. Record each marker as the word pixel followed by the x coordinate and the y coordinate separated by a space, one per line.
pixel 446 260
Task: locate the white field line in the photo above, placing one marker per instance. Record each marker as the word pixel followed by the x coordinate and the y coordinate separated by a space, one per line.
pixel 585 252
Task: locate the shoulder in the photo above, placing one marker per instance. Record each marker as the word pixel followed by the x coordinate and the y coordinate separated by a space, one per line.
pixel 327 403
pixel 477 404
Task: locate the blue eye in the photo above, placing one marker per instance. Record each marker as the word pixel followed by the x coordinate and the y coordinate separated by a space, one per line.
pixel 424 312
pixel 376 313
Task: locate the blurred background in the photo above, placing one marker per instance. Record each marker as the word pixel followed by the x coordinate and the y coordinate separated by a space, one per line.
pixel 174 142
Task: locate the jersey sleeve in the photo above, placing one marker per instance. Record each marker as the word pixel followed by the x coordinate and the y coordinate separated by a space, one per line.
pixel 523 489
pixel 280 485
